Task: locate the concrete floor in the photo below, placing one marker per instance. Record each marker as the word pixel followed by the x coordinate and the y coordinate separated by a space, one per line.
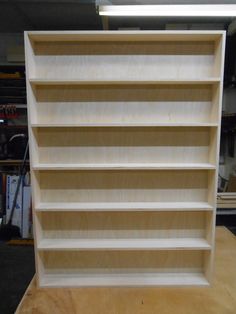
pixel 16 272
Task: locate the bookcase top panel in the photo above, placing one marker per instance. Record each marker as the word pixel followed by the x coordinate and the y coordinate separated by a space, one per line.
pixel 36 36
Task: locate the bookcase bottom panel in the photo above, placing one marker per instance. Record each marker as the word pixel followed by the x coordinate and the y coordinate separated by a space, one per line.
pixel 93 268
pixel 124 279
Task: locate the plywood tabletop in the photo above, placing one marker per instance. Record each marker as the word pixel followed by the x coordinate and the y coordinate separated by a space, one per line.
pixel 218 299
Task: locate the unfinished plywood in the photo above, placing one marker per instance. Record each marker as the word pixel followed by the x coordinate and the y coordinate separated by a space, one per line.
pixel 123 186
pixel 124 141
pixel 124 60
pixel 124 268
pixel 217 300
pixel 124 104
pixel 124 230
pixel 116 146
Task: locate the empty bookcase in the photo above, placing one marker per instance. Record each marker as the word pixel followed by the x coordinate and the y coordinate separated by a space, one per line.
pixel 124 142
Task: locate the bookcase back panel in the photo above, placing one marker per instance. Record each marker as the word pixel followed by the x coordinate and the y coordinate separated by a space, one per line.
pixel 124 67
pixel 123 186
pixel 114 145
pixel 123 225
pixel 110 262
pixel 88 93
pixel 124 60
pixel 121 112
pixel 94 48
pixel 124 104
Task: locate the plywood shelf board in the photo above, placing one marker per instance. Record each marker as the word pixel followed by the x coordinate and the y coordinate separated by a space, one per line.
pixel 124 244
pixel 124 166
pixel 167 124
pixel 52 36
pixel 39 82
pixel 121 206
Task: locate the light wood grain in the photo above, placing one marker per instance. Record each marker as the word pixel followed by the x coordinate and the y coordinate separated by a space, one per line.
pixel 123 186
pixel 124 60
pixel 124 225
pixel 124 244
pixel 121 206
pixel 124 142
pixel 218 95
pixel 93 48
pixel 126 279
pixel 147 124
pixel 123 166
pixel 37 36
pixel 219 299
pixel 113 67
pixel 124 104
pixel 33 153
pixel 124 230
pixel 35 82
pixel 105 266
pixel 116 268
pixel 123 148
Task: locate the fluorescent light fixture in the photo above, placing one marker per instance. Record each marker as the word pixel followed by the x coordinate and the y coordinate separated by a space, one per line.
pixel 1 121
pixel 198 10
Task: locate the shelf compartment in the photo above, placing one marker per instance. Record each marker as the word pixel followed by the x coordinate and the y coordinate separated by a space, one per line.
pixel 123 148
pixel 124 186
pixel 104 267
pixel 124 279
pixel 124 60
pixel 124 230
pixel 130 103
pixel 121 206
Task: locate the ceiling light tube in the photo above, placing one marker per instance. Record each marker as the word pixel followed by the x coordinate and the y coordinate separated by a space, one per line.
pixel 198 10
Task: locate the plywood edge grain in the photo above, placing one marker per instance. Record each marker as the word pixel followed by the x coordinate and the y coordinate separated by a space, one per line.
pixel 129 206
pixel 38 36
pixel 124 166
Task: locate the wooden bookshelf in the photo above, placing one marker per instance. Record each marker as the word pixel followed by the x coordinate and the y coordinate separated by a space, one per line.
pixel 124 143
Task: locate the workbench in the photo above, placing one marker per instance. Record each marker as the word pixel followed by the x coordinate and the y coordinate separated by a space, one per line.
pixel 218 299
